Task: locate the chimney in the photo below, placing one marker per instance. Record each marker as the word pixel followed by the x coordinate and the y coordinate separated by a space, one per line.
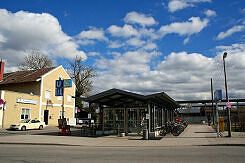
pixel 1 69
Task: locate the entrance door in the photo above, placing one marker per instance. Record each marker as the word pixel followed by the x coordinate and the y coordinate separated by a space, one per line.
pixel 46 116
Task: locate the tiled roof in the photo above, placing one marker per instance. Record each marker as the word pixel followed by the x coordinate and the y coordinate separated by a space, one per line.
pixel 24 76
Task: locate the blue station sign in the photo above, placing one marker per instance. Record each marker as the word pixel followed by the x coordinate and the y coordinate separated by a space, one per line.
pixel 218 95
pixel 59 83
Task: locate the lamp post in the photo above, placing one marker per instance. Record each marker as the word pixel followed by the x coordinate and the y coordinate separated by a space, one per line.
pixel 227 98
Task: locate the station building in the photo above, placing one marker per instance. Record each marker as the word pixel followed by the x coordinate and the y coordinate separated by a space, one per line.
pixel 31 95
pixel 130 113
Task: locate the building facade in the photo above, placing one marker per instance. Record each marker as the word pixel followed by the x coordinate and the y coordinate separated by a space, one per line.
pixel 31 95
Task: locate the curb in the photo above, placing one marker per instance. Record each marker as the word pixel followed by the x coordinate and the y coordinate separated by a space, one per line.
pixel 16 143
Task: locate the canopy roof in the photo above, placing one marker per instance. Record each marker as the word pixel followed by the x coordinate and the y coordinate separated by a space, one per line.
pixel 120 98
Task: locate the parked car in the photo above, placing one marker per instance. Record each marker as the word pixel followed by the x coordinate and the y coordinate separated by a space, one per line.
pixel 27 124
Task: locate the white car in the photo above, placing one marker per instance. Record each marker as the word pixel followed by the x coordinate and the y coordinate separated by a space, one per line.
pixel 27 124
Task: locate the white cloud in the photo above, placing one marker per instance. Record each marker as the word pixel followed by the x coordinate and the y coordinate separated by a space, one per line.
pixel 148 33
pixel 150 46
pixel 210 13
pixel 93 34
pixel 181 75
pixel 186 40
pixel 23 31
pixel 115 44
pixel 137 18
pixel 93 53
pixel 2 39
pixel 136 62
pixel 116 54
pixel 229 32
pixel 194 25
pixel 125 31
pixel 135 42
pixel 175 5
pixel 85 42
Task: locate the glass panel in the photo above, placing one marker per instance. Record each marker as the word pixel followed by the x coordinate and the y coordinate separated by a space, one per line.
pixel 119 118
pixel 143 120
pixel 27 111
pixel 132 121
pixel 108 119
pixel 61 114
pixel 25 114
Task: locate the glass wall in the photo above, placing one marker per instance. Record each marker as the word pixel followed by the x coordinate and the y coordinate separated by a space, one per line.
pixel 133 120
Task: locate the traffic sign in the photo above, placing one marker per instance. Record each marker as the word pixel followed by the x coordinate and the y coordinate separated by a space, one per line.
pixel 67 83
pixel 89 115
pixel 1 101
pixel 228 105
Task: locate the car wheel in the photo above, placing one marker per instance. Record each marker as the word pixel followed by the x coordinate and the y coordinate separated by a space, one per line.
pixel 23 128
pixel 40 127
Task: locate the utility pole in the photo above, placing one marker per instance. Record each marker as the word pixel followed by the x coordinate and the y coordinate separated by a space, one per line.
pixel 227 98
pixel 212 94
pixel 217 117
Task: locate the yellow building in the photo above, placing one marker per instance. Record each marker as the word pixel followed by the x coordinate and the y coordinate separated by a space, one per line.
pixel 31 95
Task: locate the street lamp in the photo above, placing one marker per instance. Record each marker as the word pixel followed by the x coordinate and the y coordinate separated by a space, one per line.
pixel 227 99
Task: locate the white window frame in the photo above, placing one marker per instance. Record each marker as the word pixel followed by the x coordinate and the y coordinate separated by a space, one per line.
pixel 60 114
pixel 25 113
pixel 69 98
pixel 47 94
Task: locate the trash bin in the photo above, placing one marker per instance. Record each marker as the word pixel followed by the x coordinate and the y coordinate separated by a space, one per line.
pixel 145 134
pixel 221 124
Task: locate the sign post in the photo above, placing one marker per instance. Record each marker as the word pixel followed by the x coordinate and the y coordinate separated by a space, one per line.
pixel 217 98
pixel 2 102
pixel 59 91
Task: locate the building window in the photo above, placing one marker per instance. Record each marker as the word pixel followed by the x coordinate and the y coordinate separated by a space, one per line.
pixel 61 114
pixel 69 98
pixel 25 114
pixel 47 94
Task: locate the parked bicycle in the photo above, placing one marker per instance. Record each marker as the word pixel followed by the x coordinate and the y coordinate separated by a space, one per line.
pixel 175 128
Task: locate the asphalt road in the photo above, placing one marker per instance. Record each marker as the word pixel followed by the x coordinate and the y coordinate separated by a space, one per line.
pixel 49 153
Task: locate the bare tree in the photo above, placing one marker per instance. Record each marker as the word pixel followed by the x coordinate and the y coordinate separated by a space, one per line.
pixel 82 76
pixel 35 60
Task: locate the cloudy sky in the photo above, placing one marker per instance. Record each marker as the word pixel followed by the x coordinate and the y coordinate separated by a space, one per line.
pixel 144 46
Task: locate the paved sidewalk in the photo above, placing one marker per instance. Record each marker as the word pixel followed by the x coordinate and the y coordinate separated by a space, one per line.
pixel 194 135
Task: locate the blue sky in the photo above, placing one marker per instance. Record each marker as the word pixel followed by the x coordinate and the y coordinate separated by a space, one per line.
pixel 143 46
